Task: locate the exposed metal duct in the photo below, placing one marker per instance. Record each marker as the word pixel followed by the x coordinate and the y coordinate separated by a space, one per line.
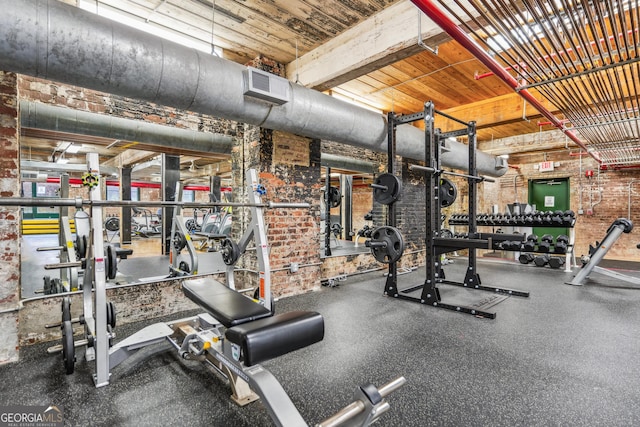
pixel 348 163
pixel 44 116
pixel 55 41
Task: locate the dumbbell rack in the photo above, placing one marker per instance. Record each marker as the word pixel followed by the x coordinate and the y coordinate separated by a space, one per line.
pixel 518 221
pixel 436 245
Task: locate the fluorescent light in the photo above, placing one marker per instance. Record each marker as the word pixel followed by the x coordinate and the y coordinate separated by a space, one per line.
pixel 354 100
pixel 73 149
pixel 62 161
pixel 148 27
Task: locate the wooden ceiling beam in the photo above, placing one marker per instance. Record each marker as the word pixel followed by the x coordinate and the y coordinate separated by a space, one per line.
pixel 383 39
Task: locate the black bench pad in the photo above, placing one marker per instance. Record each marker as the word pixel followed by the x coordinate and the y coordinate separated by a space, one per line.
pixel 267 338
pixel 228 306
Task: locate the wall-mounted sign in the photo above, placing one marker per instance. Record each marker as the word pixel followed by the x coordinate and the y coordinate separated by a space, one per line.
pixel 545 166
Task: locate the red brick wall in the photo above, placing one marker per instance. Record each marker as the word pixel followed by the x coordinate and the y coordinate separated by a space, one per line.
pixel 9 217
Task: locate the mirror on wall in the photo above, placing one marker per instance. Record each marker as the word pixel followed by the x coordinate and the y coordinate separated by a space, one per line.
pixel 348 204
pixel 53 165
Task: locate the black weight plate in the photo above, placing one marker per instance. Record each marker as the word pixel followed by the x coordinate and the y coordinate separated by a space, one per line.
pixel 392 192
pixel 47 285
pixel 68 348
pixel 66 309
pixel 394 244
pixel 448 192
pixel 111 260
pixel 335 198
pixel 113 314
pixel 81 246
pixel 230 251
pixel 112 224
pixel 179 241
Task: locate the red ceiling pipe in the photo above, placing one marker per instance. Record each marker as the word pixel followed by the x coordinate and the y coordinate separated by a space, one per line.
pixel 443 21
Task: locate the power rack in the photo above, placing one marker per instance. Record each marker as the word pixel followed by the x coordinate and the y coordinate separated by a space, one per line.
pixel 435 244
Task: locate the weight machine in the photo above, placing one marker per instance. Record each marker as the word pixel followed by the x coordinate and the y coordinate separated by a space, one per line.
pixel 439 191
pixel 233 336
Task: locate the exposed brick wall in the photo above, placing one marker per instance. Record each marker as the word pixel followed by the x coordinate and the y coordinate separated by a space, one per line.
pixel 9 217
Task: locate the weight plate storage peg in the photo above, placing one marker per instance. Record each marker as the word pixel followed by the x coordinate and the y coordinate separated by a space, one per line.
pixel 448 192
pixel 386 188
pixel 229 251
pixel 386 244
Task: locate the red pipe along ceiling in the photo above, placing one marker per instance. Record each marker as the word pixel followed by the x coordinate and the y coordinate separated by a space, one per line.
pixel 444 22
pixel 140 184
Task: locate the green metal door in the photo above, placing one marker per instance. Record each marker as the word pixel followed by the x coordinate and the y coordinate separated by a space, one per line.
pixel 550 195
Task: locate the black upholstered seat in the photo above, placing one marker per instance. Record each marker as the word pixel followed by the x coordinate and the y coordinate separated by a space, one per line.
pixel 228 306
pixel 267 338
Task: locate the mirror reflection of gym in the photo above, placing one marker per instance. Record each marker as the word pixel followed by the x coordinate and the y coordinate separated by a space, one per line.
pixel 54 168
pixel 350 203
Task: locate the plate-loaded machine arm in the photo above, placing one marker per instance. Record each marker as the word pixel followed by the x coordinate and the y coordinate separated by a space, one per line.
pixel 619 226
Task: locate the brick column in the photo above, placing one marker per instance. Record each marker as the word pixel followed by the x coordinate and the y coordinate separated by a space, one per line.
pixel 289 168
pixel 9 218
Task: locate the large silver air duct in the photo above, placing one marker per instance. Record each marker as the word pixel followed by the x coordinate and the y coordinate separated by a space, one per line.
pixel 55 41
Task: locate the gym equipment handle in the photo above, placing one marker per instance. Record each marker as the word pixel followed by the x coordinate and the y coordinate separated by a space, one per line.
pixel 358 406
pixel 371 244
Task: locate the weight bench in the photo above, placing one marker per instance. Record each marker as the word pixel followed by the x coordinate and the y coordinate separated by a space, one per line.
pixel 250 325
pixel 235 335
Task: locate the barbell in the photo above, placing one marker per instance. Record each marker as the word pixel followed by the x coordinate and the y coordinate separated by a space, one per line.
pixel 79 203
pixel 441 171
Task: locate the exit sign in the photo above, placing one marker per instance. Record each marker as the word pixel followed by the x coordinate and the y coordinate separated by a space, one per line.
pixel 545 166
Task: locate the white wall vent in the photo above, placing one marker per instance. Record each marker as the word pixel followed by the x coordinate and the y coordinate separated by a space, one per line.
pixel 266 86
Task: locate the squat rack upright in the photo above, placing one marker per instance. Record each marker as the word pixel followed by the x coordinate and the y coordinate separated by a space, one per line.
pixel 436 245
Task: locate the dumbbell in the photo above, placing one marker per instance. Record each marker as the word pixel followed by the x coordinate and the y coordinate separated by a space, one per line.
pixel 545 243
pixel 528 219
pixel 537 218
pixel 516 245
pixel 541 260
pixel 557 218
pixel 568 218
pixel 507 219
pixel 530 244
pixel 555 262
pixel 562 241
pixel 546 218
pixel 526 258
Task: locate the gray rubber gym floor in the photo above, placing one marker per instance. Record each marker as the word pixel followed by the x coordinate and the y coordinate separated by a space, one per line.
pixel 564 356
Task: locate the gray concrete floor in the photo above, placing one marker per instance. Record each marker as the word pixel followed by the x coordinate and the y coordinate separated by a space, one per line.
pixel 564 356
